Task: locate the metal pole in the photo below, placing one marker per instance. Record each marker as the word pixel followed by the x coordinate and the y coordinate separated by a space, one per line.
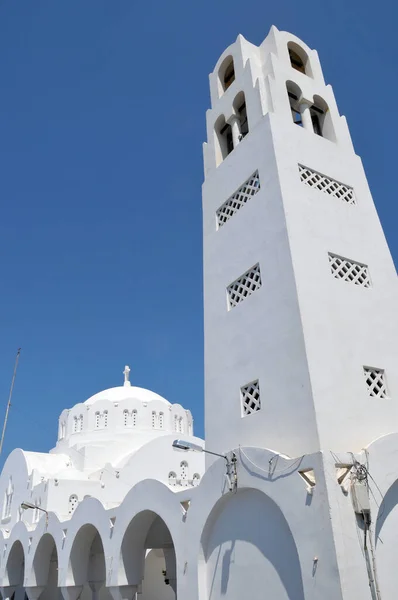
pixel 9 400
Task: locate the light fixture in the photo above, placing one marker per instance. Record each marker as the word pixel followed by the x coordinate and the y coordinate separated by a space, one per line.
pixel 184 445
pixel 28 505
pixel 231 474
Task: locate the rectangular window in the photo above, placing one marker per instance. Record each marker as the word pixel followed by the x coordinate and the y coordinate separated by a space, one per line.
pixel 327 185
pixel 375 382
pixel 238 199
pixel 250 398
pixel 349 270
pixel 243 287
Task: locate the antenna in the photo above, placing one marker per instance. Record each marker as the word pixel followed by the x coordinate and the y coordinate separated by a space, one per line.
pixel 9 399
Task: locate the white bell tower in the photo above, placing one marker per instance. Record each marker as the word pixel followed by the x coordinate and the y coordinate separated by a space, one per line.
pixel 300 290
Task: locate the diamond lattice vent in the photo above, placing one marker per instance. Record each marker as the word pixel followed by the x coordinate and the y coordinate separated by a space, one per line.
pixel 238 199
pixel 243 287
pixel 250 396
pixel 349 270
pixel 327 185
pixel 376 382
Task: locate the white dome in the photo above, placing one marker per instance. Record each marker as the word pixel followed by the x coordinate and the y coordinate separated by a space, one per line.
pixel 125 392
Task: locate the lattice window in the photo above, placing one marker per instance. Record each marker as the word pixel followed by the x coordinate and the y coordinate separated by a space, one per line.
pixel 161 420
pixel 125 417
pixel 376 382
pixel 135 417
pixel 250 398
pixel 80 423
pixel 97 420
pixel 153 419
pixel 180 425
pixel 243 287
pixel 74 424
pixel 349 270
pixel 175 423
pixel 105 418
pixel 326 184
pixel 238 199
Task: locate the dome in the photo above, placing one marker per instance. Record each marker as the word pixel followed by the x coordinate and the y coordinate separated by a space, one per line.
pixel 124 392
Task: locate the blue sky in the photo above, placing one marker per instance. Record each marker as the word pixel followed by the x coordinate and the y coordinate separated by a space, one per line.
pixel 102 119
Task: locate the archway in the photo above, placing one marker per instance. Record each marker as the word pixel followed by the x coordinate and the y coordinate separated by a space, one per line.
pixel 386 543
pixel 45 567
pixel 148 559
pixel 247 547
pixel 87 564
pixel 15 571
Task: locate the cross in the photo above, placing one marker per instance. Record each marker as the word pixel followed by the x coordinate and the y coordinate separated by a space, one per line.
pixel 126 374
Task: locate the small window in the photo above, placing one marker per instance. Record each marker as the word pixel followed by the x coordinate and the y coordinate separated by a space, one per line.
pixel 196 479
pixel 80 423
pixel 298 58
pixel 295 109
pixel 153 419
pixel 161 420
pixel 126 417
pixel 226 74
pixel 296 61
pixel 175 423
pixel 242 115
pixel 97 420
pixel 223 139
pixel 105 418
pixel 184 469
pixel 73 502
pixel 74 424
pixel 172 478
pixel 135 417
pixel 229 75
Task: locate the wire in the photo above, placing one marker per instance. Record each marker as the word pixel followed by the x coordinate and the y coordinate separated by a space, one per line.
pixel 292 466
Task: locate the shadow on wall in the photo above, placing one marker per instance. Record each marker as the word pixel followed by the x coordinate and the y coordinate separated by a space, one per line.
pixel 249 551
pixel 386 543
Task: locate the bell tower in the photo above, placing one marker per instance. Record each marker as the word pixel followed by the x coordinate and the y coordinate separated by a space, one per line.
pixel 300 290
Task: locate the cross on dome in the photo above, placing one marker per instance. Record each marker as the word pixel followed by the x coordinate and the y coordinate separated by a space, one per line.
pixel 126 374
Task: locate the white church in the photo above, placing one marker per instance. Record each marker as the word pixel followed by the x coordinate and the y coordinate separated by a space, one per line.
pixel 296 494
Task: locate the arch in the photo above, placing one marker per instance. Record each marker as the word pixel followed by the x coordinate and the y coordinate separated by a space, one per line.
pixel 294 95
pixel 242 528
pixel 15 567
pixel 226 74
pixel 239 105
pixel 223 139
pixel 146 531
pixel 321 119
pixel 45 561
pixel 299 58
pixel 86 558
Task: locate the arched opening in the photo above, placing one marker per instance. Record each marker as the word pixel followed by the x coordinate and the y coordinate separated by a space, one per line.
pixel 87 563
pixel 298 58
pixel 386 526
pixel 226 74
pixel 248 530
pixel 223 139
pixel 241 113
pixel 294 95
pixel 15 569
pixel 147 558
pixel 45 567
pixel 321 119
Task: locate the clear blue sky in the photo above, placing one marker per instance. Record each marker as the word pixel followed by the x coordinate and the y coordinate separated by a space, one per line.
pixel 102 118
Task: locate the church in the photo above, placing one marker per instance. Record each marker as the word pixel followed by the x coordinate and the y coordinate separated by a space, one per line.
pixel 293 494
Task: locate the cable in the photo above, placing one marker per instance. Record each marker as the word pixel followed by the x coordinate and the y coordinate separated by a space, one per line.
pixel 292 466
